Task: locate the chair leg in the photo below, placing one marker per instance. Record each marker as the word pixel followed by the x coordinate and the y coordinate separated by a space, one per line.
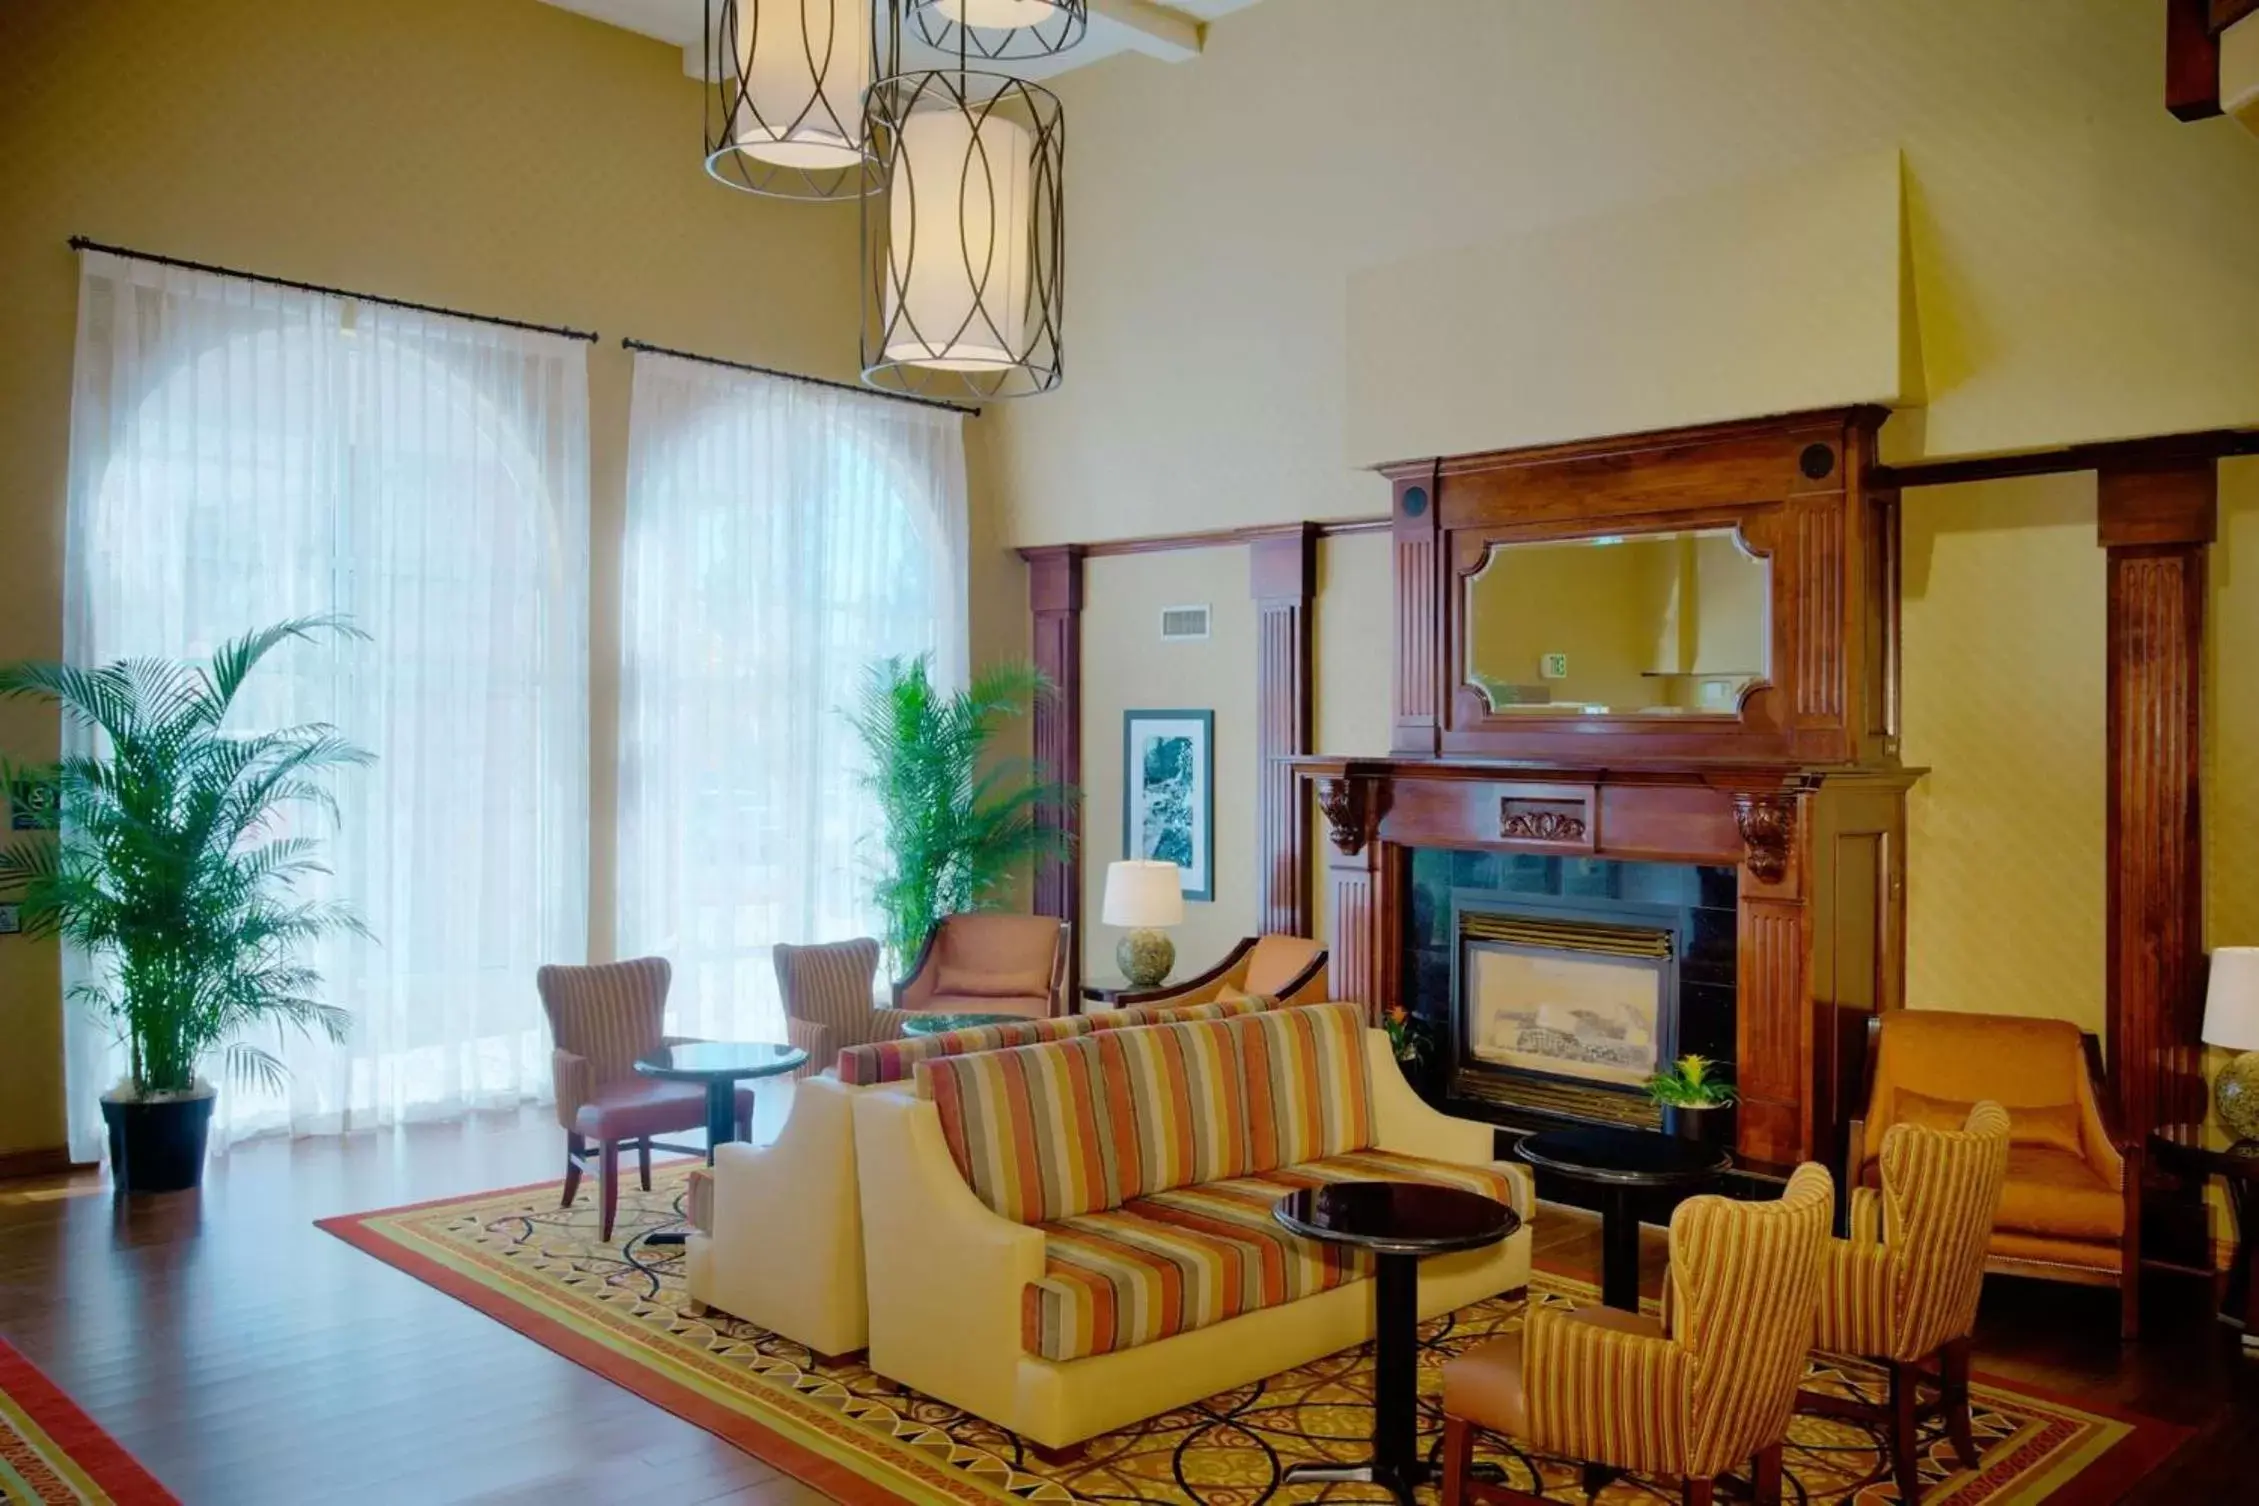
pixel 608 1185
pixel 1765 1476
pixel 643 1161
pixel 1698 1492
pixel 1905 1456
pixel 2129 1303
pixel 1953 1370
pixel 575 1148
pixel 1458 1458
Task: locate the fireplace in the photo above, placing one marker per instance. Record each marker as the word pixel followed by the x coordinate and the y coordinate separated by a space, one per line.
pixel 1557 986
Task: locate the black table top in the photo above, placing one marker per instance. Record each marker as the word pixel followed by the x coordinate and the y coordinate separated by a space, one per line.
pixel 2213 1149
pixel 1397 1218
pixel 704 1061
pixel 1622 1157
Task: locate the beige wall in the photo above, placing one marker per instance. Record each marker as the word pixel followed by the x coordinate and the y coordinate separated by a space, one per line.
pixel 1126 666
pixel 2082 262
pixel 501 156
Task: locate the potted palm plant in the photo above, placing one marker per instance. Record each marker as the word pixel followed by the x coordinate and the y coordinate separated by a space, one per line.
pixel 172 870
pixel 959 826
pixel 1697 1102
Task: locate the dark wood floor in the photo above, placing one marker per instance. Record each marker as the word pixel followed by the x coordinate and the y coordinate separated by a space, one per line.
pixel 248 1358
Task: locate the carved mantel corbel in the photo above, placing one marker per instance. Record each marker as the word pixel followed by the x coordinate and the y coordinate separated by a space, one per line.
pixel 1347 804
pixel 1768 830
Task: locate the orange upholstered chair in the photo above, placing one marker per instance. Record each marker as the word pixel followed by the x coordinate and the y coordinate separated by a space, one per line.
pixel 1287 970
pixel 1903 1288
pixel 1706 1387
pixel 828 1000
pixel 600 1020
pixel 988 962
pixel 2070 1209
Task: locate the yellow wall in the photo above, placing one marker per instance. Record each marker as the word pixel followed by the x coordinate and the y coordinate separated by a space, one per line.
pixel 1126 666
pixel 2082 262
pixel 501 156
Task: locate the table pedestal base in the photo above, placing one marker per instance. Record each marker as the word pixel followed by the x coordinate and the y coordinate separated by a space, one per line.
pixel 1395 1465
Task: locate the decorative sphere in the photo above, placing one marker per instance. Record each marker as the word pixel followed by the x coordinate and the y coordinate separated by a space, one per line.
pixel 2236 1094
pixel 1145 957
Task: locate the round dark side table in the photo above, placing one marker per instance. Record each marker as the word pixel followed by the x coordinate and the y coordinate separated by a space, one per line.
pixel 2191 1150
pixel 1624 1165
pixel 1401 1223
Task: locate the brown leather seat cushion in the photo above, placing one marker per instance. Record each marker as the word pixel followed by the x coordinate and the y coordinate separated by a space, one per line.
pixel 1486 1385
pixel 633 1108
pixel 2053 1192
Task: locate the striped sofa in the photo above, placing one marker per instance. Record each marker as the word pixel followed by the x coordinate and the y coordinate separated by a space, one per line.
pixel 1068 1236
pixel 778 1235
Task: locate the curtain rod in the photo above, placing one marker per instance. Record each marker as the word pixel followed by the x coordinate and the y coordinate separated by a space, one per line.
pixel 629 343
pixel 81 243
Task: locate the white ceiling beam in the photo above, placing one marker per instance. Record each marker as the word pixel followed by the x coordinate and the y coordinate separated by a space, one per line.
pixel 1151 29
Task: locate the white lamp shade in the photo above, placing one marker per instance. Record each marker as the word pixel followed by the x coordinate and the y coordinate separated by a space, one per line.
pixel 1143 895
pixel 805 66
pixel 997 14
pixel 2231 1001
pixel 960 235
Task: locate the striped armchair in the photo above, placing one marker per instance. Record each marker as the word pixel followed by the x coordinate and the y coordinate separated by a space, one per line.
pixel 600 1020
pixel 828 998
pixel 1904 1286
pixel 1710 1384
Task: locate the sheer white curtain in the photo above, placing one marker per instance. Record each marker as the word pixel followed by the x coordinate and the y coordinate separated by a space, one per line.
pixel 242 453
pixel 780 536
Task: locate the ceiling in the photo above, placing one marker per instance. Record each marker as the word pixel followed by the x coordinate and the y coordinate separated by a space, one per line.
pixel 1170 31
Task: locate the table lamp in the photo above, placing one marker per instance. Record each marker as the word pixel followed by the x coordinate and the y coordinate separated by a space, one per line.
pixel 2231 1019
pixel 1144 896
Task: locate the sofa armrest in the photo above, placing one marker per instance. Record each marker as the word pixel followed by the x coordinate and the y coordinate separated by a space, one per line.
pixel 817 1039
pixel 574 1082
pixel 1597 1391
pixel 947 1276
pixel 1407 1125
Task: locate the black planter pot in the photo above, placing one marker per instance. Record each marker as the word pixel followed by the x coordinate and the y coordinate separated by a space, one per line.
pixel 1711 1125
pixel 158 1146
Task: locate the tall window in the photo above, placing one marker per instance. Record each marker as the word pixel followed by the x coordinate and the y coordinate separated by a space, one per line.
pixel 780 537
pixel 243 453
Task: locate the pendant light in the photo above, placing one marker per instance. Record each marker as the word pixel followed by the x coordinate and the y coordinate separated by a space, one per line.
pixel 961 246
pixel 1001 31
pixel 784 94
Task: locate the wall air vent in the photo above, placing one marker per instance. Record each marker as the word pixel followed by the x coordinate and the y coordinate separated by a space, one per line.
pixel 1184 624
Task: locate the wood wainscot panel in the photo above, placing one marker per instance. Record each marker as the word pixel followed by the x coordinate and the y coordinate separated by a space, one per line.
pixel 1282 571
pixel 1055 598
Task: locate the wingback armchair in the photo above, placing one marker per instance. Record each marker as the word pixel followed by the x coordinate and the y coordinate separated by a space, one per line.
pixel 1710 1384
pixel 1903 1288
pixel 1287 969
pixel 2069 1209
pixel 600 1020
pixel 829 1002
pixel 989 962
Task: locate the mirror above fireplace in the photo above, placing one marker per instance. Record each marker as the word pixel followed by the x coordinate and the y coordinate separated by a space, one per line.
pixel 1653 624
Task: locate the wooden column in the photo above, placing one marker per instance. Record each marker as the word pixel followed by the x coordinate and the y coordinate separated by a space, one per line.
pixel 2157 519
pixel 1773 1024
pixel 1055 598
pixel 1282 573
pixel 1357 902
pixel 1416 553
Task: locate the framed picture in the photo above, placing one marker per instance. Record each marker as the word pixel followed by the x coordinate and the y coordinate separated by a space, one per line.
pixel 1169 793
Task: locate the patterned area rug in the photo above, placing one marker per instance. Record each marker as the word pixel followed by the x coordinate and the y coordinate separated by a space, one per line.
pixel 621 1310
pixel 52 1453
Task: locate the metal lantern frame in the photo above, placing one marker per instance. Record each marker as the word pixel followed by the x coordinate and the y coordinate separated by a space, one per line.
pixel 1029 336
pixel 729 98
pixel 1070 19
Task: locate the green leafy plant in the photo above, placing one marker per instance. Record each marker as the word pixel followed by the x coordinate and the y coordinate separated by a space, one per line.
pixel 959 826
pixel 1691 1083
pixel 1411 1038
pixel 167 869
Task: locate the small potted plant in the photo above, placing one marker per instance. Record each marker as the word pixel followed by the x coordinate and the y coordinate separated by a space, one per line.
pixel 1412 1040
pixel 1697 1101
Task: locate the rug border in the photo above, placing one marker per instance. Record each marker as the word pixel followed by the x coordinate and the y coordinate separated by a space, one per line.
pixel 2148 1441
pixel 85 1442
pixel 763 1443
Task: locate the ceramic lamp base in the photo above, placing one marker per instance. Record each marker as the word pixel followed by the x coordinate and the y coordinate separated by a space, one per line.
pixel 2235 1093
pixel 1145 957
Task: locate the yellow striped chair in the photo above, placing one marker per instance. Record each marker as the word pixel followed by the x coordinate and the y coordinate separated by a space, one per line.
pixel 1710 1384
pixel 829 1002
pixel 1903 1288
pixel 600 1020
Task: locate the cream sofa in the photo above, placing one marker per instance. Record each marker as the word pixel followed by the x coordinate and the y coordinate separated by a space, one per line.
pixel 778 1229
pixel 963 1297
